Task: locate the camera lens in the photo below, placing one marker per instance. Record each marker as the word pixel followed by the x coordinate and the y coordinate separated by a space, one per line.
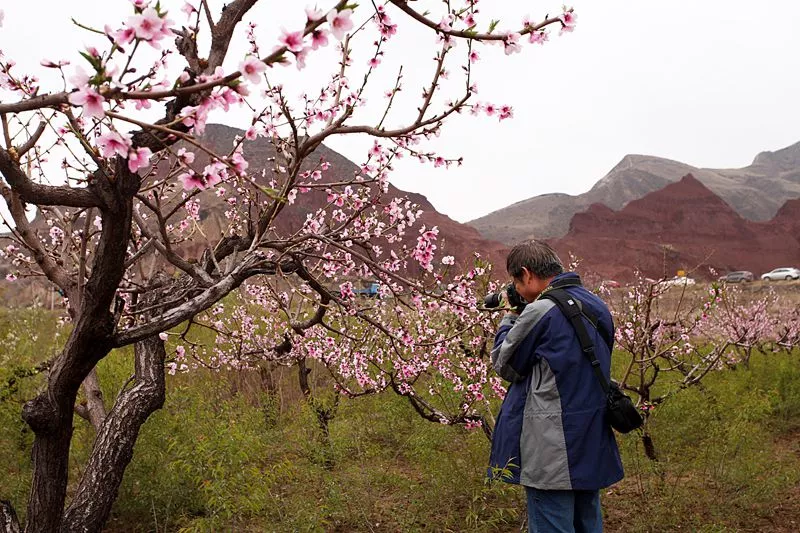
pixel 492 300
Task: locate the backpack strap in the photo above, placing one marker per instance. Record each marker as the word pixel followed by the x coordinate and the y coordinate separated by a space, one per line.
pixel 571 308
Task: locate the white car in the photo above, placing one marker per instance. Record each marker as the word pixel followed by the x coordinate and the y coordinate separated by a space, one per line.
pixel 677 281
pixel 782 273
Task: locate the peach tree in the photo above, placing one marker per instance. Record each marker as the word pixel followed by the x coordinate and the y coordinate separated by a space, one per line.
pixel 111 158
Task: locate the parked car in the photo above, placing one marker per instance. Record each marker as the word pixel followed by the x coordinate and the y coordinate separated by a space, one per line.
pixel 782 273
pixel 738 276
pixel 370 291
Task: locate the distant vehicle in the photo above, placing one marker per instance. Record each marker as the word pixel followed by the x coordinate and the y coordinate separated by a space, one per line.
pixel 738 276
pixel 369 291
pixel 787 273
pixel 678 281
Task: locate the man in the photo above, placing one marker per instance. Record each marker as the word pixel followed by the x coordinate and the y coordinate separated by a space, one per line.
pixel 551 434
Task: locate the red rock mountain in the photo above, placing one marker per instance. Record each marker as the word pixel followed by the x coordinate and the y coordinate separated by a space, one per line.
pixel 682 226
pixel 756 192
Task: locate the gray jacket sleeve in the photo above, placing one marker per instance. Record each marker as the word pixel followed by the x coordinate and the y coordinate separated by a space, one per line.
pixel 521 326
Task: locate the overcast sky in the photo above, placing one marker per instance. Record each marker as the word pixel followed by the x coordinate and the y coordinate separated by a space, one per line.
pixel 709 83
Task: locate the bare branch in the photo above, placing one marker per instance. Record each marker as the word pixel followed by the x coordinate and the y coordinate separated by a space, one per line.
pixel 51 269
pixel 38 194
pixel 30 143
pixel 403 6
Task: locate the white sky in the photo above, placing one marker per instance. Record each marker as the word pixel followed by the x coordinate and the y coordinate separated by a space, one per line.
pixel 710 83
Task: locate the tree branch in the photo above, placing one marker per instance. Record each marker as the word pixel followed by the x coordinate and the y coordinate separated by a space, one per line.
pixel 38 194
pixel 403 6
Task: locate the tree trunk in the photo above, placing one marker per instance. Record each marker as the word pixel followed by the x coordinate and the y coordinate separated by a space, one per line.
pixel 9 523
pixel 50 414
pixel 95 410
pixel 50 417
pixel 324 414
pixel 649 446
pixel 113 446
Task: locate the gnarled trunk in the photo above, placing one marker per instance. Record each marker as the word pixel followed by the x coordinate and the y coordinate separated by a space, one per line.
pixel 113 446
pixel 50 417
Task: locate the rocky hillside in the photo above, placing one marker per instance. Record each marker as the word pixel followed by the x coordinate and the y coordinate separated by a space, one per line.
pixel 755 192
pixel 686 226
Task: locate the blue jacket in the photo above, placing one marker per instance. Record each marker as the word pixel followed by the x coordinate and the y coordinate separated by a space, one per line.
pixel 551 432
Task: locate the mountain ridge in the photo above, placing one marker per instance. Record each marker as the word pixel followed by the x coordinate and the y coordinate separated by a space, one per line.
pixel 684 226
pixel 756 192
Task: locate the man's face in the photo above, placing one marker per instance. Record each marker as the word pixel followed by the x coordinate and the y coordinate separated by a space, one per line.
pixel 529 286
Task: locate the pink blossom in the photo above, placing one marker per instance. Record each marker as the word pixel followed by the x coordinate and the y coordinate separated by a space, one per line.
pixel 53 64
pixel 139 158
pixel 340 22
pixel 79 78
pixel 446 23
pixel 469 21
pixel 189 9
pixel 313 14
pixel 374 62
pixel 387 29
pixel 252 68
pixel 190 180
pixel 214 173
pixel 319 37
pixel 474 56
pixel 186 158
pixel 91 101
pixel 376 150
pixel 10 276
pixel 537 37
pixel 506 111
pixel 123 36
pixel 511 43
pixel 239 162
pixel 163 336
pixel 147 25
pixel 293 41
pixel 114 143
pixel 568 21
pixel 300 57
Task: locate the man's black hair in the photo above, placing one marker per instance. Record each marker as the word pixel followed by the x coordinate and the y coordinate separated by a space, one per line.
pixel 537 256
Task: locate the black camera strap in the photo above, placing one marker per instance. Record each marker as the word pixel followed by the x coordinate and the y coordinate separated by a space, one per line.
pixel 571 308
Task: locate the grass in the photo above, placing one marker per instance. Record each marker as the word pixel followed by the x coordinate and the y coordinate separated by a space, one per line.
pixel 229 454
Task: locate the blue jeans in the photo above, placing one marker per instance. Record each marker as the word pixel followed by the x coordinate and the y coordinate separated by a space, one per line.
pixel 564 511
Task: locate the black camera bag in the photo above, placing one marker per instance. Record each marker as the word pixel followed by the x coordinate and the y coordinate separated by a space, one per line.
pixel 621 413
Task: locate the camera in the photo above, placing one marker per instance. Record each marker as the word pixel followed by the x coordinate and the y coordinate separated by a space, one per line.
pixel 514 299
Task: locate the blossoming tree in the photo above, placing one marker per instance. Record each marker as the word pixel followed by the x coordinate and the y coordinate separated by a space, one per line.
pixel 671 340
pixel 116 224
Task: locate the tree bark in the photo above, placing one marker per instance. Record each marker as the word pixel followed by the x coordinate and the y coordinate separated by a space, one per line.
pixel 50 414
pixel 114 444
pixel 50 417
pixel 95 410
pixel 9 523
